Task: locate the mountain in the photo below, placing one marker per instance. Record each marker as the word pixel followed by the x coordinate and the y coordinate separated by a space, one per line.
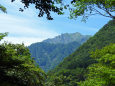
pixel 49 53
pixel 68 38
pixel 73 68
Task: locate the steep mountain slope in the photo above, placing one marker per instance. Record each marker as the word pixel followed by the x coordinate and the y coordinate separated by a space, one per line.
pixel 73 68
pixel 49 54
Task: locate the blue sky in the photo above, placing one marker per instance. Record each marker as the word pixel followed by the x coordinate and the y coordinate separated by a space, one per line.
pixel 26 27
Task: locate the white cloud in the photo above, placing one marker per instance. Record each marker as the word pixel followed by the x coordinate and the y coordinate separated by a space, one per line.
pixel 15 25
pixel 26 40
pixel 24 30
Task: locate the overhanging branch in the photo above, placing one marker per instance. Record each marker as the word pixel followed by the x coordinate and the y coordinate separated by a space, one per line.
pixel 98 12
pixel 106 10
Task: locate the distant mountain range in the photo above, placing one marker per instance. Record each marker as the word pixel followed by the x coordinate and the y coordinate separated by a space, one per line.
pixel 68 38
pixel 49 53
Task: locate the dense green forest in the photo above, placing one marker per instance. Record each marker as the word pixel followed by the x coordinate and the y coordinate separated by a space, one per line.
pixel 16 66
pixel 74 68
pixel 101 73
pixel 49 53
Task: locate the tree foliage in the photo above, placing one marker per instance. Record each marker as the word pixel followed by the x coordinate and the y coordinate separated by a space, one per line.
pixel 103 72
pixel 77 8
pixel 44 7
pixel 17 68
pixel 88 8
pixel 2 35
pixel 2 8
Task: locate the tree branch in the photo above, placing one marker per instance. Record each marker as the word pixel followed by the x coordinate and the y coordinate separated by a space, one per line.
pixel 110 14
pixel 106 10
pixel 100 13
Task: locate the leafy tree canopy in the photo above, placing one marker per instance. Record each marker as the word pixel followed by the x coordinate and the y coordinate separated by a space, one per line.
pixel 17 68
pixel 77 8
pixel 44 7
pixel 2 35
pixel 88 8
pixel 103 72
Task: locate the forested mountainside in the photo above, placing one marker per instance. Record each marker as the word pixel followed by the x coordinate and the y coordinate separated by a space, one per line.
pixel 49 53
pixel 74 67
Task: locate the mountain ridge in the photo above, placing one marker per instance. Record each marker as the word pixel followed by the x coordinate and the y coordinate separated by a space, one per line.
pixel 49 53
pixel 74 67
pixel 67 38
